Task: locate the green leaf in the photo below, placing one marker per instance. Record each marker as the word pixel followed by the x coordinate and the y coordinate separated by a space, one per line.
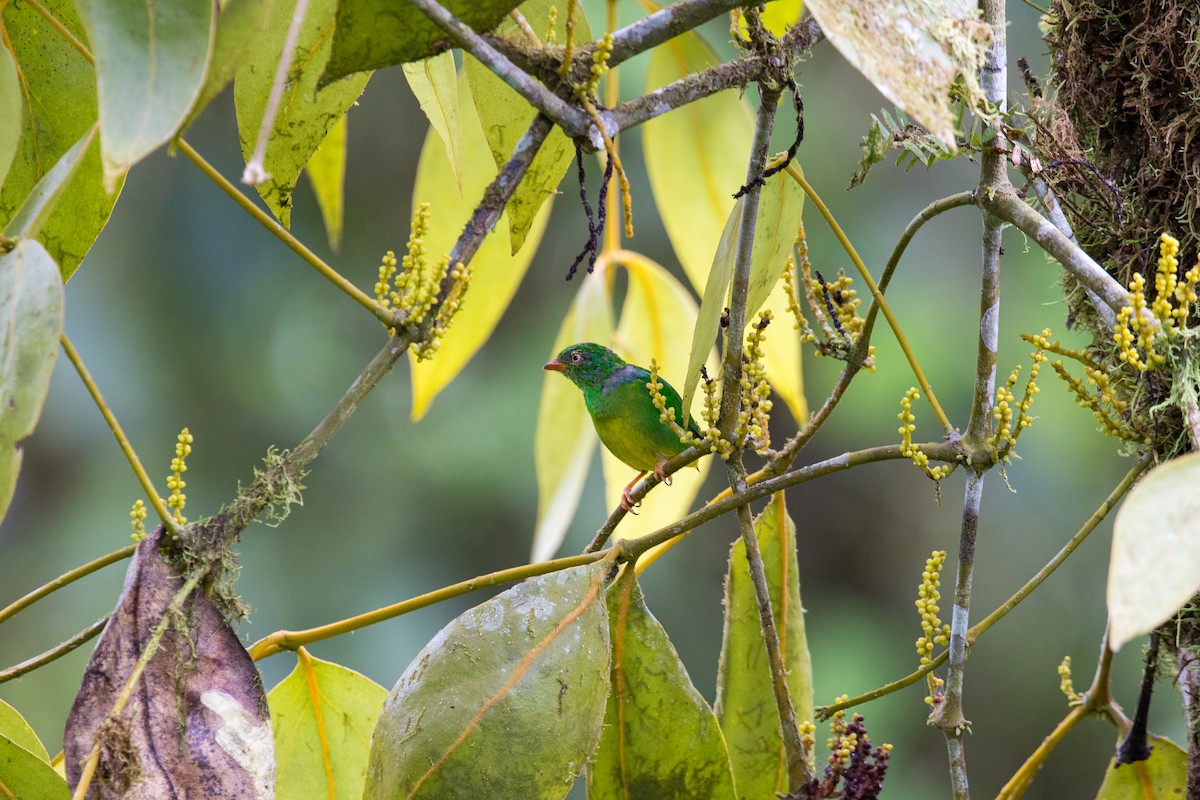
pixel 28 220
pixel 661 739
pixel 151 60
pixel 240 26
pixel 59 86
pixel 656 323
pixel 327 173
pixel 712 304
pixel 322 700
pixel 31 316
pixel 382 33
pixel 305 114
pixel 434 82
pixel 25 776
pixel 505 117
pixel 745 703
pixel 565 438
pixel 505 702
pixel 781 201
pixel 1155 564
pixel 496 272
pixel 695 156
pixel 14 727
pixel 911 52
pixel 1163 776
pixel 10 111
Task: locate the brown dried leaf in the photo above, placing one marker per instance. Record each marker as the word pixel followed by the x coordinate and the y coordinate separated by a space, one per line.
pixel 196 724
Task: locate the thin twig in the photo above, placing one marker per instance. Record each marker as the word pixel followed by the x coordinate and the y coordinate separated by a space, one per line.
pixel 284 235
pixel 122 441
pixel 255 172
pixel 54 653
pixel 570 119
pixel 66 579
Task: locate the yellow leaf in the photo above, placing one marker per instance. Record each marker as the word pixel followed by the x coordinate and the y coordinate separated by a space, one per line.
pixel 656 323
pixel 565 439
pixel 327 173
pixel 695 156
pixel 434 83
pixel 496 271
pixel 777 16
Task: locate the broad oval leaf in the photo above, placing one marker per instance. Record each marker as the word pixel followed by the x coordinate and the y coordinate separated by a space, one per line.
pixel 496 272
pixel 656 320
pixel 323 715
pixel 505 702
pixel 327 173
pixel 14 728
pixel 306 114
pixel 1155 564
pixel 60 87
pixel 197 724
pixel 565 438
pixel 695 156
pixel 505 117
pixel 25 776
pixel 912 52
pixel 1162 776
pixel 31 318
pixel 661 739
pixel 151 60
pixel 371 34
pixel 434 82
pixel 10 111
pixel 745 702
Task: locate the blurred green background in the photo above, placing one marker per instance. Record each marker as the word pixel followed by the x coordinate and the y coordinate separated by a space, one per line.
pixel 190 314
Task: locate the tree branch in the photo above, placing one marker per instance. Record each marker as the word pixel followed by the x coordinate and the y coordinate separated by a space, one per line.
pixel 573 121
pixel 54 653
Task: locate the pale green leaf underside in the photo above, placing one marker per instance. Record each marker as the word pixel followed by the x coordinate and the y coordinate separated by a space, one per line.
pixel 434 82
pixel 1155 564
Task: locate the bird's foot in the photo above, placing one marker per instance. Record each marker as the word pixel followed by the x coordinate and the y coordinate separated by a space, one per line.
pixel 627 502
pixel 660 473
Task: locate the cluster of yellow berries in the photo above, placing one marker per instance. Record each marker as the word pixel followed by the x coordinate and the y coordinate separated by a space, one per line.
pixel 137 518
pixel 1140 324
pixel 934 630
pixel 175 482
pixel 1013 417
pixel 754 419
pixel 837 301
pixel 1066 684
pixel 907 448
pixel 600 57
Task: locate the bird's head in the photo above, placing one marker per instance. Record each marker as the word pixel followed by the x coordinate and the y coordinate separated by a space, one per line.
pixel 586 364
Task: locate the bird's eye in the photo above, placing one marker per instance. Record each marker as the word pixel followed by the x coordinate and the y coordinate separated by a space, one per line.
pixel 576 358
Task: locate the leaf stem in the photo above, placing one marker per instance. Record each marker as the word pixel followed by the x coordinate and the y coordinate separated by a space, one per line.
pixel 66 579
pixel 122 441
pixel 152 643
pixel 281 641
pixel 877 294
pixel 284 235
pixel 54 653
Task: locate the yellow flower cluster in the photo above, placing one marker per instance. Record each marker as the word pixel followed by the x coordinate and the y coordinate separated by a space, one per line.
pixel 907 449
pixel 600 58
pixel 551 24
pixel 137 518
pixel 1066 684
pixel 935 631
pixel 175 482
pixel 754 419
pixel 412 288
pixel 1140 324
pixel 460 278
pixel 1004 438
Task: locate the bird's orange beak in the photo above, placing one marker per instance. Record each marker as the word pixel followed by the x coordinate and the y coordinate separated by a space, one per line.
pixel 555 366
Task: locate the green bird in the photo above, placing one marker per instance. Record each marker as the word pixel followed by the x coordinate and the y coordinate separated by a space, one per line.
pixel 622 410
